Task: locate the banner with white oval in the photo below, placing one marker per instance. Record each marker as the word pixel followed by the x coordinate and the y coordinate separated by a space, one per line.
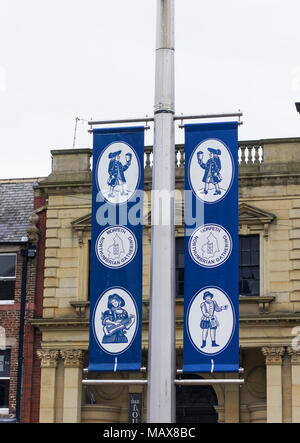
pixel 210 320
pixel 116 247
pixel 210 245
pixel 115 320
pixel 118 172
pixel 211 170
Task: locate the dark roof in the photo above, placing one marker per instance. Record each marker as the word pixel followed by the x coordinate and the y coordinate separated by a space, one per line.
pixel 16 206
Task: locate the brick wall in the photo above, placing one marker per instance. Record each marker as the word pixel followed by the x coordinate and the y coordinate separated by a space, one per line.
pixel 10 320
pixel 32 337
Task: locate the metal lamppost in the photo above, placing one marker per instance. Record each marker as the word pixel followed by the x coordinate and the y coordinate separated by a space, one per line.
pixel 161 380
pixel 161 402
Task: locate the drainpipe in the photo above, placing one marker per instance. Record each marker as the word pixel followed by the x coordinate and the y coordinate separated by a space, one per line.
pixel 29 251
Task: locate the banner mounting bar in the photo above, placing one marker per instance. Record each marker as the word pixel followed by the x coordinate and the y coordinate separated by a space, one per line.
pixel 204 116
pixel 144 369
pixel 192 382
pixel 114 382
pixel 147 119
pixel 207 381
pixel 85 370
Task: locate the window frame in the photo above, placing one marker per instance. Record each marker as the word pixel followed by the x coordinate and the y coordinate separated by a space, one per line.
pixel 7 357
pixel 9 301
pixel 258 236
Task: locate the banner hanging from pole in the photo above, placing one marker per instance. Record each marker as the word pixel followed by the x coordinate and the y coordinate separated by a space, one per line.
pixel 211 297
pixel 116 250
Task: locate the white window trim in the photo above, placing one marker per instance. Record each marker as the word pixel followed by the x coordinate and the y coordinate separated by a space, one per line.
pixel 9 302
pixel 4 411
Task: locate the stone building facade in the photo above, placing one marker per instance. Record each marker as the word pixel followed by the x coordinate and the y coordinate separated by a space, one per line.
pixel 22 226
pixel 269 221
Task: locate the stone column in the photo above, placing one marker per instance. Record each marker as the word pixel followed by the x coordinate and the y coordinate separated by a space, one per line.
pixel 232 402
pixel 73 360
pixel 273 356
pixel 295 363
pixel 48 378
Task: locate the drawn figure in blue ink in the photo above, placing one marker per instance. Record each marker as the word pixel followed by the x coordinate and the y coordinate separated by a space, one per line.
pixel 212 169
pixel 116 172
pixel 209 320
pixel 116 320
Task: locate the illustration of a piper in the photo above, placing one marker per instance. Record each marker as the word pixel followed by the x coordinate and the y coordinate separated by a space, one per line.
pixel 209 320
pixel 212 169
pixel 116 173
pixel 116 321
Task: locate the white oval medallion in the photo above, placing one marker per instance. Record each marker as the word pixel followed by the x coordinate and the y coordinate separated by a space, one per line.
pixel 115 320
pixel 118 172
pixel 210 245
pixel 116 246
pixel 210 320
pixel 211 170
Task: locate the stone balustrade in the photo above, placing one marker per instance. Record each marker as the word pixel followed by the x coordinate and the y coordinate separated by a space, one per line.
pixel 249 153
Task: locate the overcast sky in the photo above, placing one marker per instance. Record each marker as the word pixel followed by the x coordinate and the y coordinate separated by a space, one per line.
pixel 61 59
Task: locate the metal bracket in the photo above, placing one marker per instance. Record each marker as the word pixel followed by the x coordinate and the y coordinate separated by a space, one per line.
pixel 208 381
pixel 114 382
pixel 208 116
pixel 176 117
pixel 113 122
pixel 180 382
pixel 192 382
pixel 144 369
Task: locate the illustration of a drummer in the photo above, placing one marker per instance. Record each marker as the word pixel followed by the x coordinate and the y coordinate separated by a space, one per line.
pixel 212 169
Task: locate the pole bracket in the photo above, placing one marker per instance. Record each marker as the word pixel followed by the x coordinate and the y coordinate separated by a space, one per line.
pixel 181 117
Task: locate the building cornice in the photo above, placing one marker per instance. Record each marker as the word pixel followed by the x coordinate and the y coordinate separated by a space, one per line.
pixel 245 179
pixel 272 179
pixel 44 324
pixel 244 320
pixel 270 319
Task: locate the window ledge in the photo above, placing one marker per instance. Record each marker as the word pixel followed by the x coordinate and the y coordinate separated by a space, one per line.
pixel 7 302
pixel 262 301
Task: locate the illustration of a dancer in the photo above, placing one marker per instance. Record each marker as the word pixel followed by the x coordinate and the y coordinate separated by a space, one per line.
pixel 212 169
pixel 116 320
pixel 116 172
pixel 209 320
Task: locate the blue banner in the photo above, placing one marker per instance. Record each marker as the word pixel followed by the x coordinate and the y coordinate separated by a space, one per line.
pixel 116 250
pixel 211 297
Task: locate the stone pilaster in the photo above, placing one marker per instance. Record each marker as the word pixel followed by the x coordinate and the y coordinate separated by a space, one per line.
pixel 232 402
pixel 73 361
pixel 72 358
pixel 48 358
pixel 294 216
pixel 48 376
pixel 295 363
pixel 273 356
